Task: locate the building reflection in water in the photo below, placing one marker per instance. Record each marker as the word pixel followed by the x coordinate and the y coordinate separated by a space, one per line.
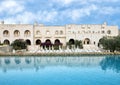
pixel 21 63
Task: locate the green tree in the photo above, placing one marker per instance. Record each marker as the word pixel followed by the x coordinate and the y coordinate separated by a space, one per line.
pixel 19 44
pixel 77 44
pixel 117 39
pixel 110 43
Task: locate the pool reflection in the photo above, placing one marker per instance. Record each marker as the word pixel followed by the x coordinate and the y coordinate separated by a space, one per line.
pixel 111 63
pixel 105 62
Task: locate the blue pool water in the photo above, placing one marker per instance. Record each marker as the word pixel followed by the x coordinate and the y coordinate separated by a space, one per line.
pixel 87 70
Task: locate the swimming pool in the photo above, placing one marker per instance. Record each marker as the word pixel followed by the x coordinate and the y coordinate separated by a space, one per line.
pixel 74 70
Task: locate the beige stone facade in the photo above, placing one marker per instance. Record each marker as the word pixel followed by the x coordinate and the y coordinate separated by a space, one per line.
pixel 38 33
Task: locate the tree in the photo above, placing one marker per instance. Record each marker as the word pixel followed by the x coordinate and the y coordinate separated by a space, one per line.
pixel 77 44
pixel 19 44
pixel 110 43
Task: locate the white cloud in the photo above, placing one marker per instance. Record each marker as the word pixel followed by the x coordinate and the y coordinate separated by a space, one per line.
pixel 63 2
pixel 11 7
pixel 109 10
pixel 19 12
pixel 77 14
pixel 28 17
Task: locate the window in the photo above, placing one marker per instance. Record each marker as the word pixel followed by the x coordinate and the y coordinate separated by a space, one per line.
pixel 98 31
pixel 89 31
pixel 103 32
pixel 61 32
pixel 27 33
pixel 109 32
pixel 37 32
pixel 16 33
pixel 47 32
pixel 6 33
pixel 56 32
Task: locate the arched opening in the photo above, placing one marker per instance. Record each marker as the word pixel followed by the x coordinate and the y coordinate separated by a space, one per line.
pixel 38 42
pixel 27 33
pixel 87 41
pixel 94 43
pixel 48 41
pixel 72 41
pixel 6 33
pixel 16 33
pixel 28 42
pixel 57 44
pixel 47 44
pixel 99 44
pixel 57 41
pixel 6 42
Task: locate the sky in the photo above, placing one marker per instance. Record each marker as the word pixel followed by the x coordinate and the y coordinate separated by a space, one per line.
pixel 60 12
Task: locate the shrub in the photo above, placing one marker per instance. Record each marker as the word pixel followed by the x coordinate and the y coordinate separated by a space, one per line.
pixel 19 44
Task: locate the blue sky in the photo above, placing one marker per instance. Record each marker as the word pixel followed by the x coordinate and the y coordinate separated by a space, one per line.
pixel 60 12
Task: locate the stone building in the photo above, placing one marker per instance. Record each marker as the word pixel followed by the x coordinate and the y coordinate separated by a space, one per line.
pixel 36 34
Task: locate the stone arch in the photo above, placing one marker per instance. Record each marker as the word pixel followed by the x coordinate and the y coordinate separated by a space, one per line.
pixel 57 41
pixel 6 42
pixel 87 41
pixel 72 41
pixel 48 41
pixel 38 42
pixel 5 33
pixel 16 33
pixel 28 42
pixel 27 33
